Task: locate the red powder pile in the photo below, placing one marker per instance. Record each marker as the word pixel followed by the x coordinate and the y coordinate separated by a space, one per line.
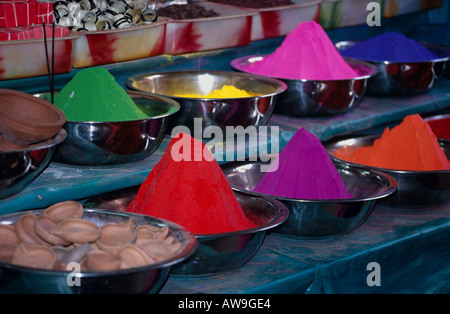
pixel 192 192
pixel 306 53
pixel 441 127
pixel 411 145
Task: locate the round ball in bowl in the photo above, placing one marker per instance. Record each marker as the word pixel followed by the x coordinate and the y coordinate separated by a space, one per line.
pixel 92 143
pixel 220 112
pixel 317 98
pixel 20 166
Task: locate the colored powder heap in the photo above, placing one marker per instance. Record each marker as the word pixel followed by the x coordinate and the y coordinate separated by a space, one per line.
pixel 305 171
pixel 192 192
pixel 389 46
pixel 227 91
pixel 305 53
pixel 410 146
pixel 441 127
pixel 94 95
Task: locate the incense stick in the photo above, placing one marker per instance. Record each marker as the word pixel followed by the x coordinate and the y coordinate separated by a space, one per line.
pixel 52 87
pixel 51 73
pixel 46 53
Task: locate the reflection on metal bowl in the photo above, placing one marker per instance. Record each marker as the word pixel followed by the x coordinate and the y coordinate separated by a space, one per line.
pixel 145 279
pixel 415 188
pixel 318 98
pixel 18 168
pixel 120 142
pixel 221 112
pixel 440 123
pixel 312 219
pixel 406 78
pixel 216 253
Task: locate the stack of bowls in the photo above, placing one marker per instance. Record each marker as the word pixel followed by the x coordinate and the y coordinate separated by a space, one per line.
pixel 30 129
pixel 19 167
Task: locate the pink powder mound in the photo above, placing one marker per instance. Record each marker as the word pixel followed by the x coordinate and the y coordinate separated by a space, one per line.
pixel 305 171
pixel 306 53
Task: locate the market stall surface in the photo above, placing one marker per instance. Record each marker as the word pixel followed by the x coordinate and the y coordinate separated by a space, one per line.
pixel 397 250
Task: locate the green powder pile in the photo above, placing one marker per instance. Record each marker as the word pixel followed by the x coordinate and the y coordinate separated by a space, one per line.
pixel 94 95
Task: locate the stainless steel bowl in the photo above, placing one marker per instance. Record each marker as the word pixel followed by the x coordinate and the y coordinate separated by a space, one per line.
pixel 221 112
pixel 405 78
pixel 438 117
pixel 216 253
pixel 18 168
pixel 415 188
pixel 114 143
pixel 146 279
pixel 318 98
pixel 315 219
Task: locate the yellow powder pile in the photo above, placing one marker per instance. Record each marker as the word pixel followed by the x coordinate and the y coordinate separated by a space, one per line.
pixel 227 91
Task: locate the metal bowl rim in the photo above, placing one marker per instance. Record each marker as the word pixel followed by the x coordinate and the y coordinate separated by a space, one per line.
pixel 274 222
pixel 437 117
pixel 390 189
pixel 281 85
pixel 51 142
pixel 384 170
pixel 236 64
pixel 186 252
pixel 443 140
pixel 442 59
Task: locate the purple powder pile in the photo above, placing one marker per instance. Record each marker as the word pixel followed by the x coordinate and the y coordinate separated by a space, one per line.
pixel 389 46
pixel 305 171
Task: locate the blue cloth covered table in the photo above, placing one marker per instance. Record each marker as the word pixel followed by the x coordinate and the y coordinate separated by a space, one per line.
pixel 411 247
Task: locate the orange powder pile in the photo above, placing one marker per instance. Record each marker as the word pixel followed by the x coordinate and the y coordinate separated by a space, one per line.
pixel 411 145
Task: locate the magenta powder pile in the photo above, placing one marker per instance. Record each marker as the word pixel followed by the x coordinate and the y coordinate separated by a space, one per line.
pixel 306 53
pixel 305 171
